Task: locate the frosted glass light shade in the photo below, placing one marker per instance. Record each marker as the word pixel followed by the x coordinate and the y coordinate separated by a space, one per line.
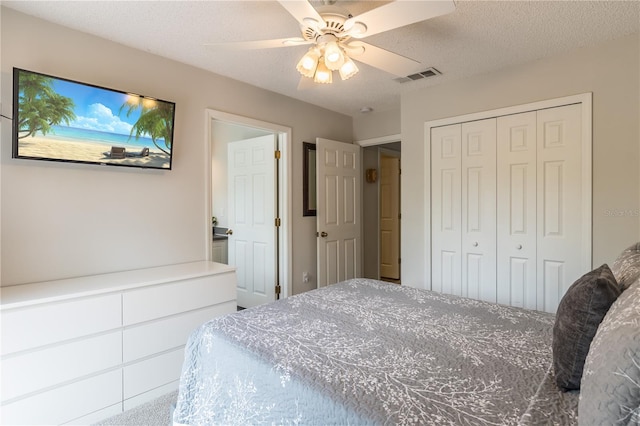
pixel 323 74
pixel 333 56
pixel 348 69
pixel 308 64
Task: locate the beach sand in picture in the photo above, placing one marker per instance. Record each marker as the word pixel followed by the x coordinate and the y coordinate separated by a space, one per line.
pixel 43 147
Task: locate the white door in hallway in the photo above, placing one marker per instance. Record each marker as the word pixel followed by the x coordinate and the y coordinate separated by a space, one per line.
pixel 338 211
pixel 251 201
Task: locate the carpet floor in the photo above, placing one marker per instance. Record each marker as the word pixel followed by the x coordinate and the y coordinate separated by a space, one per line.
pixel 152 413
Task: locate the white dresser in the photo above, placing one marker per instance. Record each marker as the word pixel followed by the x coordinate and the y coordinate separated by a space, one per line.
pixel 80 350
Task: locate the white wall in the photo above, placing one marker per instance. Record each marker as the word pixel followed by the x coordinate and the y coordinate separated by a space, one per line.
pixel 610 71
pixel 65 220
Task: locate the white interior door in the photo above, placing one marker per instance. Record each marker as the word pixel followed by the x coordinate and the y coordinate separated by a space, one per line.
pixel 251 205
pixel 390 216
pixel 517 228
pixel 446 214
pixel 338 212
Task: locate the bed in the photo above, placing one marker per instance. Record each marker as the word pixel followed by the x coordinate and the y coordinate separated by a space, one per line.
pixel 370 352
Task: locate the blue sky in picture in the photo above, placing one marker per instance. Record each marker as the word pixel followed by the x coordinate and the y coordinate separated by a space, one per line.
pixel 96 108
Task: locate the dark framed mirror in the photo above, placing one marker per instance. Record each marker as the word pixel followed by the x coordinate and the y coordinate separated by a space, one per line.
pixel 309 179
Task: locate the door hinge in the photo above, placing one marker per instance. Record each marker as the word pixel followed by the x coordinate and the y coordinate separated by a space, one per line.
pixel 278 291
pixel 278 222
pixel 277 154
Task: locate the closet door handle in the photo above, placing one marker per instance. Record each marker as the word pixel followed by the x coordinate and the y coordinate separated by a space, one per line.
pixel 519 246
pixel 475 244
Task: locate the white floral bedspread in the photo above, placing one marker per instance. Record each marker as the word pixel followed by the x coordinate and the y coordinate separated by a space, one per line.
pixel 368 352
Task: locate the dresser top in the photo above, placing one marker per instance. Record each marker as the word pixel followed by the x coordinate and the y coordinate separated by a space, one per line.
pixel 23 295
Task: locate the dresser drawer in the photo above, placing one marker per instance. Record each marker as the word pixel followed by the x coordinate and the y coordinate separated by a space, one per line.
pixel 32 371
pixel 158 336
pixel 159 301
pixel 152 373
pixel 66 403
pixel 26 328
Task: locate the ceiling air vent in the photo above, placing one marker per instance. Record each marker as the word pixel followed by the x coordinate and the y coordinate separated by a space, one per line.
pixel 429 72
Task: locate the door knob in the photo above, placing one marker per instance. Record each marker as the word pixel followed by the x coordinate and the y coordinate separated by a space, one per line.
pixel 519 246
pixel 475 244
pixel 229 232
pixel 323 234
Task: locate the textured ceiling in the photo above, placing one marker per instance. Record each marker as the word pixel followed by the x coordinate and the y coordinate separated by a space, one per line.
pixel 478 37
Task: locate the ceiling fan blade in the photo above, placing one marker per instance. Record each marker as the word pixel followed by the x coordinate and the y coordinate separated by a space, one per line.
pixel 398 14
pixel 383 59
pixel 304 13
pixel 259 44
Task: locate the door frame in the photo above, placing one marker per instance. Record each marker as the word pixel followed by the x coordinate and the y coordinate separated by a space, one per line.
pixel 586 126
pixel 398 155
pixel 383 140
pixel 285 172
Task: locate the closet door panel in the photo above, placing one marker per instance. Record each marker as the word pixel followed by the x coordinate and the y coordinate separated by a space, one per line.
pixel 479 209
pixel 446 210
pixel 559 180
pixel 516 210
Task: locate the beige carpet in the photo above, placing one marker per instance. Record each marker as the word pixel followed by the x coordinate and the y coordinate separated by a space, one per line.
pixel 152 413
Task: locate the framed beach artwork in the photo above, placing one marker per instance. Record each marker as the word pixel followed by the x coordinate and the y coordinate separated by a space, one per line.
pixel 56 119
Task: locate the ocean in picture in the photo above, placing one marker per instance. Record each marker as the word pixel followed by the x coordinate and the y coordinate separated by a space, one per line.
pixel 87 135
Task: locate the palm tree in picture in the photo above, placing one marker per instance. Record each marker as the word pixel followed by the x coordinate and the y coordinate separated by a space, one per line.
pixel 156 121
pixel 40 107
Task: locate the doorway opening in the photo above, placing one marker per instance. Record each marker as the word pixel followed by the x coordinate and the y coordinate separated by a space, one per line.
pixel 381 211
pixel 248 203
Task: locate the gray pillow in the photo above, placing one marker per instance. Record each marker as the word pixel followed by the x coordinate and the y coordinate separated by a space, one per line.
pixel 579 314
pixel 626 268
pixel 610 388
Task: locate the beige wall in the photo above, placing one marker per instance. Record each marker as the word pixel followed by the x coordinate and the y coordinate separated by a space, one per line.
pixel 376 124
pixel 610 71
pixel 64 220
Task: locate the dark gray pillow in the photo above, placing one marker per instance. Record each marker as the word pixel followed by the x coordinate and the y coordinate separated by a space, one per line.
pixel 579 314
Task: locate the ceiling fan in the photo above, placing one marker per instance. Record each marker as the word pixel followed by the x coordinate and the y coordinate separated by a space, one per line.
pixel 335 36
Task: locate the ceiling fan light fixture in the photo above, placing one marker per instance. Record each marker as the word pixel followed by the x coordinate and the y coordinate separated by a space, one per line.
pixel 309 62
pixel 348 69
pixel 333 56
pixel 323 74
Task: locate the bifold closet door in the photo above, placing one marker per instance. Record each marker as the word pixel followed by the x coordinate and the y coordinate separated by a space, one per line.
pixel 479 209
pixel 463 199
pixel 539 206
pixel 506 207
pixel 446 214
pixel 559 202
pixel 516 210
